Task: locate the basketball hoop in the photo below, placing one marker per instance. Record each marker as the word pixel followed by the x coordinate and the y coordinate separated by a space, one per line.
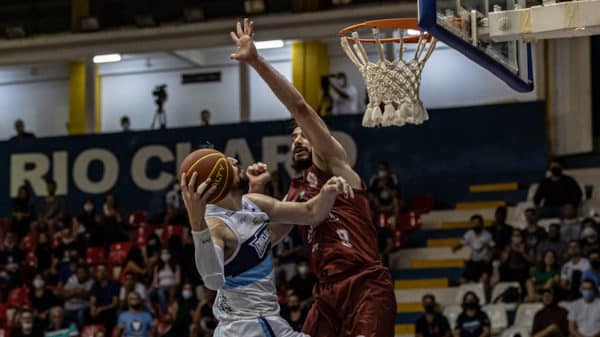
pixel 393 83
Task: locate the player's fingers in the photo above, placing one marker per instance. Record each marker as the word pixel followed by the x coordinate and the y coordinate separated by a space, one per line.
pixel 209 193
pixel 202 187
pixel 240 32
pixel 192 182
pixel 182 183
pixel 251 33
pixel 246 26
pixel 351 191
pixel 234 38
pixel 234 56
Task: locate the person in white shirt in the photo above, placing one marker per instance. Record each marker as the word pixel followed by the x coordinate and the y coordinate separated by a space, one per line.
pixel 479 267
pixel 584 315
pixel 576 263
pixel 343 94
pixel 77 293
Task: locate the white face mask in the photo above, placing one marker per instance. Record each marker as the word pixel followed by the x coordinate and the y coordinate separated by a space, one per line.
pixel 302 270
pixel 165 257
pixel 187 294
pixel 88 207
pixel 38 283
pixel 66 241
pixel 27 326
pixel 382 173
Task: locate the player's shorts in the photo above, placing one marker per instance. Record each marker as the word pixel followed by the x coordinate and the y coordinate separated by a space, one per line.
pixel 272 326
pixel 354 305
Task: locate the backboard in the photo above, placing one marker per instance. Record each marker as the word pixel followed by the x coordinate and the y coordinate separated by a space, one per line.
pixel 464 26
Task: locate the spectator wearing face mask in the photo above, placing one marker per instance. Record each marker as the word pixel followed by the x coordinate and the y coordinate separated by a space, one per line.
pixel 184 308
pixel 533 234
pixel 77 296
pixel 472 321
pixel 552 320
pixel 113 227
pixel 478 267
pixel 584 314
pixel 135 322
pixel 11 256
pixel 554 242
pixel 570 276
pixel 41 298
pixel 501 231
pixel 293 312
pixel 383 187
pixel 593 273
pixel 27 326
pixel 570 228
pixel 556 191
pixel 167 274
pixel 432 323
pixel 302 283
pixel 86 224
pixel 589 240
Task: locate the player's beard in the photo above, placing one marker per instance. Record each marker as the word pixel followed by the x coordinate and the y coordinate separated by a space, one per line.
pixel 242 184
pixel 300 165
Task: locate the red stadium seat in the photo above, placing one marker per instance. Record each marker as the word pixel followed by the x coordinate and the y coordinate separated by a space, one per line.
pixel 172 230
pixel 408 221
pixel 90 330
pixel 3 307
pixel 399 239
pixel 29 242
pixel 383 218
pixel 18 297
pixel 141 234
pixel 118 252
pixel 5 225
pixel 95 255
pixel 422 203
pixel 137 219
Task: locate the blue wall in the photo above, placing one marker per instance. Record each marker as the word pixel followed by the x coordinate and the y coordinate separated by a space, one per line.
pixel 456 147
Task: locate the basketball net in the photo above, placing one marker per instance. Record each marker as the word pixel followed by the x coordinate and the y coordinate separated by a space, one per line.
pixel 391 84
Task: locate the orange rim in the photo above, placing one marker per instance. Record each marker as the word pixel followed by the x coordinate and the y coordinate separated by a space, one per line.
pixel 403 23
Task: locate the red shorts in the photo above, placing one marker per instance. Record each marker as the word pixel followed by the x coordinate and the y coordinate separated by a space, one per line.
pixel 359 304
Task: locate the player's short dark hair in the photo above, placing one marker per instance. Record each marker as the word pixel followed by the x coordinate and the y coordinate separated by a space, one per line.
pixel 530 210
pixel 429 296
pixel 502 209
pixel 477 217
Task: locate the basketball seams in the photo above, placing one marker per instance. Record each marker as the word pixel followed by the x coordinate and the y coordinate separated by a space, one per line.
pixel 226 181
pixel 191 168
pixel 216 166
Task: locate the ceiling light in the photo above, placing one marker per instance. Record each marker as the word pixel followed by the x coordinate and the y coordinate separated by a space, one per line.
pixel 269 44
pixel 107 58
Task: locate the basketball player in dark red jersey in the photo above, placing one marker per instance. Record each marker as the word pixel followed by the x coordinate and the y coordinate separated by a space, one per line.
pixel 354 295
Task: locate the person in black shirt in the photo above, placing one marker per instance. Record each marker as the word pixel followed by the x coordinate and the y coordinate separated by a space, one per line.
pixel 27 326
pixel 22 212
pixel 472 322
pixel 501 231
pixel 21 133
pixel 432 323
pixel 556 191
pixel 532 234
pixel 41 299
pixel 43 252
pixel 552 319
pixel 302 283
pixel 104 298
pixel 293 312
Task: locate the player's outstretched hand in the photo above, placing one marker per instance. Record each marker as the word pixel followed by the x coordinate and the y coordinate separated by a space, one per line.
pixel 195 199
pixel 258 173
pixel 244 41
pixel 338 185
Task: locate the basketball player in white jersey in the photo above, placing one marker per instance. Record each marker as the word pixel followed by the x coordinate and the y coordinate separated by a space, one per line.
pixel 232 241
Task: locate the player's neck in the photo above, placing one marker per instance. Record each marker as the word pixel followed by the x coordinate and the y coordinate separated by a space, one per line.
pixel 233 201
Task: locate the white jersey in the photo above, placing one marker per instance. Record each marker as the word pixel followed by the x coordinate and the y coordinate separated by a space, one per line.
pixel 249 291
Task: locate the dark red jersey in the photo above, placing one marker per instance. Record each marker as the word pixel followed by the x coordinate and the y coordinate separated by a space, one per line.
pixel 347 240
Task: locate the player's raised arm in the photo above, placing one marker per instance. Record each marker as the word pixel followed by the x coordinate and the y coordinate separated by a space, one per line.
pixel 312 212
pixel 330 152
pixel 209 244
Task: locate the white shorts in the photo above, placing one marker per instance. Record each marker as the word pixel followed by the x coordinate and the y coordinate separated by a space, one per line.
pixel 273 326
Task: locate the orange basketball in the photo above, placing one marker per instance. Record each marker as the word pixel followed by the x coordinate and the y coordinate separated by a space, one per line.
pixel 209 163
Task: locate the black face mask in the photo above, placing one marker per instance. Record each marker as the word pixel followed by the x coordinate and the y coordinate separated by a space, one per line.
pixel 556 171
pixel 293 307
pixel 478 229
pixel 429 308
pixel 595 264
pixel 136 306
pixel 471 305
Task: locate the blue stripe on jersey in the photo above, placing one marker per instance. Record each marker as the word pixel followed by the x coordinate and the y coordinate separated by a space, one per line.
pixel 250 276
pixel 266 328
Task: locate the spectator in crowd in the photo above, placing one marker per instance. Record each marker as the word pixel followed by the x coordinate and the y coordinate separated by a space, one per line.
pixel 584 315
pixel 51 209
pixel 288 251
pixel 302 283
pixel 343 94
pixel 173 196
pixel 152 248
pixel 479 266
pixel 293 312
pixel 41 298
pixel 553 242
pixel 22 212
pixel 593 273
pixel 552 320
pixel 570 276
pixel 326 101
pixel 131 283
pixel 113 227
pixel 86 223
pixel 184 309
pixel 383 187
pixel 532 234
pixel 134 264
pixel 589 240
pixel 501 231
pixel 21 133
pixel 77 293
pixel 556 191
pixel 27 326
pixel 125 124
pixel 104 299
pixel 11 256
pixel 546 275
pixel 58 326
pixel 472 321
pixel 570 228
pixel 205 118
pixel 135 322
pixel 432 323
pixel 43 251
pixel 167 274
pixel 205 318
pixel 514 261
pixel 591 223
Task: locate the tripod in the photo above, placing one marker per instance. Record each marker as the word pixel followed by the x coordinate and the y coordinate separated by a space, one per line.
pixel 161 117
